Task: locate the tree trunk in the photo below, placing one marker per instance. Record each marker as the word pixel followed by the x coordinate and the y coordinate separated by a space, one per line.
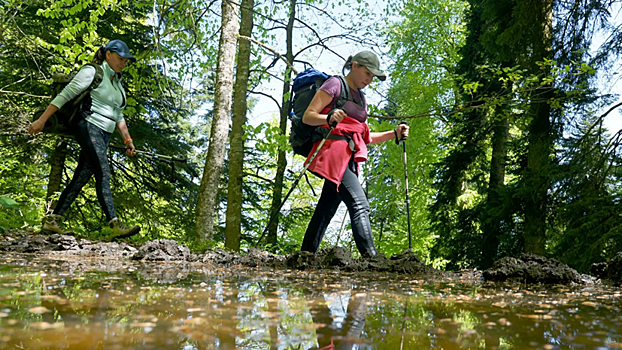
pixel 493 216
pixel 540 146
pixel 277 193
pixel 56 173
pixel 208 191
pixel 536 181
pixel 236 151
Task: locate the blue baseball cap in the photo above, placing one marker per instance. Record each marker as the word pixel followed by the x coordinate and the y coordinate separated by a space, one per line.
pixel 121 48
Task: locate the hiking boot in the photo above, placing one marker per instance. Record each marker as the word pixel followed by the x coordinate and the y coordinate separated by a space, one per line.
pixel 119 230
pixel 369 254
pixel 52 224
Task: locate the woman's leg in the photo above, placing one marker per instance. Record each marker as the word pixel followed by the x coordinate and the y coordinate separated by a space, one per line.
pixel 80 177
pixel 98 146
pixel 93 160
pixel 324 212
pixel 352 194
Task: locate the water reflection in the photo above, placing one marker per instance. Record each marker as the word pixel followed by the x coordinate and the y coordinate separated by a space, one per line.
pixel 342 316
pixel 47 304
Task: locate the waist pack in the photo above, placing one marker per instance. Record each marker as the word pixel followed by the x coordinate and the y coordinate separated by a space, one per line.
pixel 61 122
pixel 305 86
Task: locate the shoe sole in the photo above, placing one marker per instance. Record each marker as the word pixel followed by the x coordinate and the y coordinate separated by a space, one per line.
pixel 126 235
pixel 49 232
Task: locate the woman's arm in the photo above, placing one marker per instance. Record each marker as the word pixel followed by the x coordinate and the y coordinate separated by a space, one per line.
pixel 401 130
pixel 129 144
pixel 377 137
pixel 76 86
pixel 36 126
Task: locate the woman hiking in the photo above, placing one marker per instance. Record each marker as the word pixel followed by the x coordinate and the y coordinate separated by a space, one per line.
pixel 100 112
pixel 337 161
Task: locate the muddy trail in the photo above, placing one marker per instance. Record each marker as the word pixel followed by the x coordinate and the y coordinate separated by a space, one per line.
pixel 59 292
pixel 526 269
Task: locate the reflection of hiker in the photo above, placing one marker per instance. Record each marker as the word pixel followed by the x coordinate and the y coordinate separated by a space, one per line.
pixel 101 111
pixel 337 160
pixel 344 335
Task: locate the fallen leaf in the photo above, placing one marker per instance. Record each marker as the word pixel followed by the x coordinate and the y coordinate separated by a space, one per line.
pixel 38 310
pixel 589 303
pixel 143 324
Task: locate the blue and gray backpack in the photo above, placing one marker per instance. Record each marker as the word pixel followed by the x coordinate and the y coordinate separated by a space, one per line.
pixel 306 84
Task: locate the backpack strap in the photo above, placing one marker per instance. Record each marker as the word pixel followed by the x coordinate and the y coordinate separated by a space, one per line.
pixel 97 80
pixel 342 138
pixel 345 95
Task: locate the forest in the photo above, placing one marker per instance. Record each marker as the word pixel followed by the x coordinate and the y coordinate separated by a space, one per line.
pixel 507 103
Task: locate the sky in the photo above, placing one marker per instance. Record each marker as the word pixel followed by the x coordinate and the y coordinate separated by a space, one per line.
pixel 613 83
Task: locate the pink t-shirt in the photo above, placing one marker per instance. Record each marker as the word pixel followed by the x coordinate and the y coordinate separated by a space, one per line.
pixel 332 86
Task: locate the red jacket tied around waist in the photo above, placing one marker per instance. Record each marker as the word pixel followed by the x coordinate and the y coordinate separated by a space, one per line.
pixel 332 159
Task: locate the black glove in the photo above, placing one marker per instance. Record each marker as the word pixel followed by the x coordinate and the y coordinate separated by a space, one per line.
pixel 397 141
pixel 330 113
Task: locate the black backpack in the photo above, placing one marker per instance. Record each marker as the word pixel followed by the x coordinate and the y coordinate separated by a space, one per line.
pixel 306 84
pixel 61 122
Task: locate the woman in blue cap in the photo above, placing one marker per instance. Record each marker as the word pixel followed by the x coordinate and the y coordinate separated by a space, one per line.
pixel 100 113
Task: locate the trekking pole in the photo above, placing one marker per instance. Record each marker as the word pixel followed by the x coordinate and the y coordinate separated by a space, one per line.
pixel 278 210
pixel 404 326
pixel 403 142
pixel 166 159
pixel 152 155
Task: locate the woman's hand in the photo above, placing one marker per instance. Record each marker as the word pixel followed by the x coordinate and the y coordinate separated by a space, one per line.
pixel 130 149
pixel 36 127
pixel 402 131
pixel 129 144
pixel 336 116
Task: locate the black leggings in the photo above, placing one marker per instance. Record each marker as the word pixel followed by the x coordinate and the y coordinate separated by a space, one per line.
pixel 92 161
pixel 352 194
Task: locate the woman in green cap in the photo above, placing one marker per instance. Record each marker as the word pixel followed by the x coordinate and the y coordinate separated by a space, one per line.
pixel 99 114
pixel 337 160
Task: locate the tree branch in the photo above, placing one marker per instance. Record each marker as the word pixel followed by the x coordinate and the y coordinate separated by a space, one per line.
pixel 268 96
pixel 22 93
pixel 269 49
pixel 259 177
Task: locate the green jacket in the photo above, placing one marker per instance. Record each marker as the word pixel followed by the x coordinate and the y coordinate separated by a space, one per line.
pixel 108 99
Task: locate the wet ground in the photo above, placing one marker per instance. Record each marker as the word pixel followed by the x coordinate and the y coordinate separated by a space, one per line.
pixel 92 303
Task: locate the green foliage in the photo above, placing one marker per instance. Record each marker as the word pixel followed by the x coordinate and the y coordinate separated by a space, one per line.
pixel 8 203
pixel 63 36
pixel 587 199
pixel 385 184
pixel 470 62
pixel 423 79
pixel 490 77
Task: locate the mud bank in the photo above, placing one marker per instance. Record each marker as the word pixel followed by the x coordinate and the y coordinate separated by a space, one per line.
pixel 149 257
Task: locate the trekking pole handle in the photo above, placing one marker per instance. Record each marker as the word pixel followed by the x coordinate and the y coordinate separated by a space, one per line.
pixel 399 140
pixel 330 114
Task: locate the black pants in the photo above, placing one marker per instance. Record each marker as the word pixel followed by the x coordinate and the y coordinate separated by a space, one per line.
pixel 92 161
pixel 352 194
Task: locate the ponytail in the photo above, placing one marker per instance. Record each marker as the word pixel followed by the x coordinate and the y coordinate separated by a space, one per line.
pixel 100 55
pixel 347 66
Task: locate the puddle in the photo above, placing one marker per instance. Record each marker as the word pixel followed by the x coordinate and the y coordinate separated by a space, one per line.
pixel 52 304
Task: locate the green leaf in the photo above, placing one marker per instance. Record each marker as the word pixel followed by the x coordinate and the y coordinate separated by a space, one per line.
pixel 9 203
